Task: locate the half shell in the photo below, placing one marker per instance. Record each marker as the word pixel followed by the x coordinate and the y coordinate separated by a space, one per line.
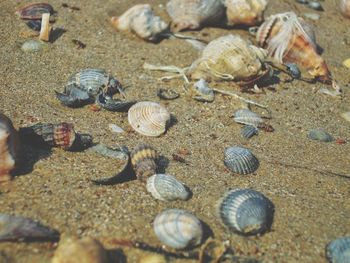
pixel 240 160
pixel 338 251
pixel 245 116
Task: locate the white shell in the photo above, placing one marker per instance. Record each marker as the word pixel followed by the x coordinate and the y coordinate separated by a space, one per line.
pixel 245 116
pixel 166 188
pixel 344 6
pixel 178 228
pixel 148 118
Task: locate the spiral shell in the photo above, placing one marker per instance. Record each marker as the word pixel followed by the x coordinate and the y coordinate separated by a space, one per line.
pixel 246 211
pixel 344 6
pixel 178 228
pixel 240 160
pixel 34 11
pixel 338 251
pixel 148 118
pixel 143 159
pixel 245 116
pixel 166 188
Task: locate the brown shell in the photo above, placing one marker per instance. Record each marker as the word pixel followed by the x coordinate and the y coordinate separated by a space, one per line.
pixel 143 160
pixel 34 11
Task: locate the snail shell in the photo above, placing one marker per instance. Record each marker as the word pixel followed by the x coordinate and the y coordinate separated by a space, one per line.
pixel 338 251
pixel 141 20
pixel 240 160
pixel 178 228
pixel 148 118
pixel 143 159
pixel 166 188
pixel 192 14
pixel 344 6
pixel 245 12
pixel 34 11
pixel 245 116
pixel 246 211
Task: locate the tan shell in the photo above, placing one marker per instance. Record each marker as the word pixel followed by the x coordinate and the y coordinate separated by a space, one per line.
pixel 141 20
pixel 192 14
pixel 344 6
pixel 228 58
pixel 143 160
pixel 245 12
pixel 148 118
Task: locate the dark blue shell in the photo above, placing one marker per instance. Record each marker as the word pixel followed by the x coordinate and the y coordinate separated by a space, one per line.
pixel 248 131
pixel 293 70
pixel 240 160
pixel 338 251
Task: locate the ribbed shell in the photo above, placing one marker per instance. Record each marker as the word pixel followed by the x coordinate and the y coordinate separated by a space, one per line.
pixel 246 211
pixel 34 11
pixel 143 159
pixel 245 116
pixel 148 118
pixel 344 6
pixel 338 251
pixel 166 188
pixel 178 228
pixel 240 160
pixel 320 135
pixel 248 131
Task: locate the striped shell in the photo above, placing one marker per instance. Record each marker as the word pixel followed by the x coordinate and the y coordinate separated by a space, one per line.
pixel 338 251
pixel 143 160
pixel 178 228
pixel 248 131
pixel 344 6
pixel 148 118
pixel 240 160
pixel 320 135
pixel 166 188
pixel 246 211
pixel 245 116
pixel 192 14
pixel 34 11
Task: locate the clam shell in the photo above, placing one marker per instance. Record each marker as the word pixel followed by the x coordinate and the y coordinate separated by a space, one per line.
pixel 246 211
pixel 178 228
pixel 245 12
pixel 344 6
pixel 248 131
pixel 320 135
pixel 240 160
pixel 166 188
pixel 34 11
pixel 143 159
pixel 245 116
pixel 338 251
pixel 148 118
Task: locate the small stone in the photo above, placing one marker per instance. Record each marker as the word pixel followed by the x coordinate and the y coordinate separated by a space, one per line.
pixel 346 116
pixel 320 135
pixel 115 128
pixel 346 63
pixel 32 46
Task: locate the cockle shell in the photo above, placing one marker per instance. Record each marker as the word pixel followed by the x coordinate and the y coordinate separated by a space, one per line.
pixel 34 11
pixel 228 58
pixel 338 251
pixel 246 211
pixel 245 116
pixel 148 118
pixel 143 159
pixel 245 12
pixel 289 39
pixel 248 131
pixel 178 228
pixel 344 6
pixel 141 20
pixel 166 188
pixel 240 160
pixel 9 148
pixel 192 14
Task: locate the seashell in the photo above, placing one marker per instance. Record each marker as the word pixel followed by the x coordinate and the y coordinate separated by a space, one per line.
pixel 293 70
pixel 148 118
pixel 167 94
pixel 248 131
pixel 166 188
pixel 245 116
pixel 34 24
pixel 344 6
pixel 141 20
pixel 108 103
pixel 228 58
pixel 245 12
pixel 74 250
pixel 315 5
pixel 246 211
pixel 320 135
pixel 115 128
pixel 338 251
pixel 14 228
pixel 240 160
pixel 143 160
pixel 192 14
pixel 32 46
pixel 153 258
pixel 9 148
pixel 346 63
pixel 289 39
pixel 202 92
pixel 178 228
pixel 34 11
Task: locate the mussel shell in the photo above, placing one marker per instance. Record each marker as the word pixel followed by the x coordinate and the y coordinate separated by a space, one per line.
pixel 246 211
pixel 34 24
pixel 320 135
pixel 338 251
pixel 240 160
pixel 245 116
pixel 248 131
pixel 34 11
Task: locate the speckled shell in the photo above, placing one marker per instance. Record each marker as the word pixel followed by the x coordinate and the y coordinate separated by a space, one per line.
pixel 240 160
pixel 34 11
pixel 143 159
pixel 338 251
pixel 9 147
pixel 245 12
pixel 248 131
pixel 166 188
pixel 344 6
pixel 74 250
pixel 228 58
pixel 148 118
pixel 141 20
pixel 178 228
pixel 246 211
pixel 320 135
pixel 245 116
pixel 192 14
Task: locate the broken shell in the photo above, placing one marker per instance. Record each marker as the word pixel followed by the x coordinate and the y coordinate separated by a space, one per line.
pixel 202 92
pixel 320 135
pixel 167 94
pixel 315 5
pixel 178 228
pixel 14 228
pixel 246 211
pixel 293 70
pixel 245 116
pixel 248 131
pixel 32 46
pixel 192 14
pixel 34 11
pixel 166 188
pixel 344 6
pixel 338 251
pixel 240 160
pixel 34 24
pixel 148 118
pixel 143 160
pixel 9 148
pixel 245 12
pixel 141 20
pixel 108 103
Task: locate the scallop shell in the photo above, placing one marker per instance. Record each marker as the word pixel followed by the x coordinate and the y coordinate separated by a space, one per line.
pixel 143 159
pixel 228 58
pixel 240 160
pixel 192 14
pixel 148 118
pixel 245 116
pixel 248 131
pixel 178 228
pixel 141 20
pixel 338 251
pixel 34 11
pixel 166 188
pixel 202 92
pixel 246 211
pixel 344 6
pixel 245 12
pixel 320 135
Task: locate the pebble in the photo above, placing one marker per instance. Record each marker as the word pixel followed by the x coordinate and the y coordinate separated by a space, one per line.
pixel 115 128
pixel 346 116
pixel 32 46
pixel 320 135
pixel 346 63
